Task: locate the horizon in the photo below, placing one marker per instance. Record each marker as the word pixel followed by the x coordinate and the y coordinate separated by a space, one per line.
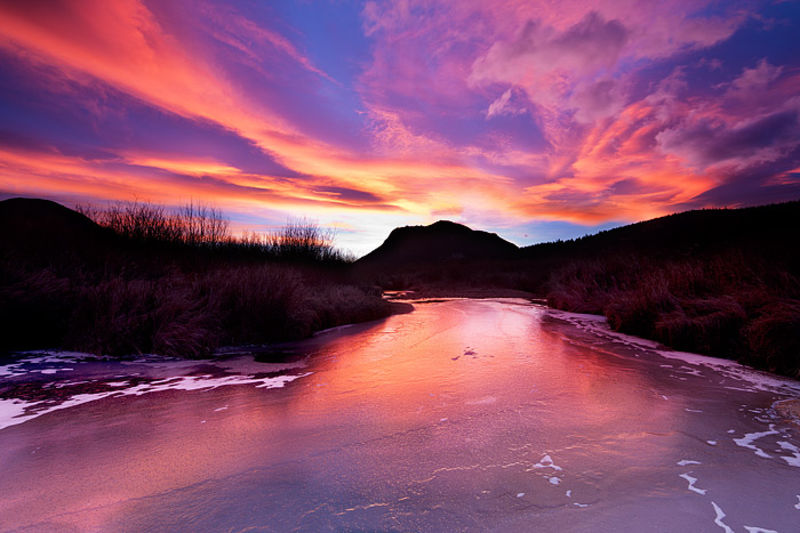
pixel 532 122
pixel 471 228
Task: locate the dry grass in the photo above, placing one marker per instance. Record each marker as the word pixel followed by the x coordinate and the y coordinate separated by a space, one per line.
pixel 728 305
pixel 178 284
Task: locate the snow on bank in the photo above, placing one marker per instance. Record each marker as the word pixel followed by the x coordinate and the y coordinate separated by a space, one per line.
pixel 755 380
pixel 162 373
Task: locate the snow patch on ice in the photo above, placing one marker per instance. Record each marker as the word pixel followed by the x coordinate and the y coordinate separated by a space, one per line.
pixel 54 370
pixel 546 462
pixel 685 462
pixel 15 411
pixel 483 401
pixel 793 459
pixel 755 529
pixel 692 480
pixel 749 438
pixel 718 519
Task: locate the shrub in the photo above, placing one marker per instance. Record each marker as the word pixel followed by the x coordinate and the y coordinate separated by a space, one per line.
pixel 774 338
pixel 726 304
pixel 710 326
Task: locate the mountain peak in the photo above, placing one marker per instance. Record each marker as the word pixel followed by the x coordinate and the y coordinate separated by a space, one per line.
pixel 443 240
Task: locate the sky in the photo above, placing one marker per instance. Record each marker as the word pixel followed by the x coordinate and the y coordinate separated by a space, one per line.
pixel 538 120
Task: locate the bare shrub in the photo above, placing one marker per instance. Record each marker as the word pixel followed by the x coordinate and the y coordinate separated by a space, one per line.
pixel 193 224
pixel 305 241
pixel 637 310
pixel 202 224
pixel 708 325
pixel 253 304
pixel 774 338
pixel 141 221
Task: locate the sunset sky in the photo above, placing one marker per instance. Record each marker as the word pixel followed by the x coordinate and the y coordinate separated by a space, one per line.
pixel 537 120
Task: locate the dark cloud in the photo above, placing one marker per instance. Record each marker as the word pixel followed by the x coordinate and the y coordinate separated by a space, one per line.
pixel 709 141
pixel 352 195
pixel 775 181
pixel 17 141
pixel 597 40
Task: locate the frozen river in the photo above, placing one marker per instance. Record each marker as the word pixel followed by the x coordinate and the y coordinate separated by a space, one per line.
pixel 465 415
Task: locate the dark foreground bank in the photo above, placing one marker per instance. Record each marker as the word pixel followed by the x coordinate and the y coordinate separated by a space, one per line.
pixel 146 282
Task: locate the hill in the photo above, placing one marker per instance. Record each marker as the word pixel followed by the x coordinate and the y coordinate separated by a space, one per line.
pixel 440 241
pixel 35 230
pixel 770 227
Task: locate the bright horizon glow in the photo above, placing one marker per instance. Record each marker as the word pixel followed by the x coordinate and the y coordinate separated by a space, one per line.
pixel 537 121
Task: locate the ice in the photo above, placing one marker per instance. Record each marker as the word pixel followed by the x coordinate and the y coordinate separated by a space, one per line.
pixel 692 480
pixel 520 494
pixel 797 505
pixel 719 517
pixel 554 480
pixel 756 380
pixel 712 442
pixel 218 409
pixel 749 438
pixel 755 529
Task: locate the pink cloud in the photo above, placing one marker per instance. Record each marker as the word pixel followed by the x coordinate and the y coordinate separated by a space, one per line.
pixel 485 109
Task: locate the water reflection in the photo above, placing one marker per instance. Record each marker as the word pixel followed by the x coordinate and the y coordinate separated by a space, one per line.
pixel 464 415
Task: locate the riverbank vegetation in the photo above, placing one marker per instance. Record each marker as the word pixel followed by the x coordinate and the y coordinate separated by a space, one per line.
pixel 728 305
pixel 137 278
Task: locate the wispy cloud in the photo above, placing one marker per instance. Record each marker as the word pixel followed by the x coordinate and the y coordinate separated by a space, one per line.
pixel 501 111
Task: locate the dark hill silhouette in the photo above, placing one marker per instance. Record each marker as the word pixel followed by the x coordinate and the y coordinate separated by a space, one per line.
pixel 440 241
pixel 37 230
pixel 770 228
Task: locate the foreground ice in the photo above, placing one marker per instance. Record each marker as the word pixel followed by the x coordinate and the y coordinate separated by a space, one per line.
pixel 490 415
pixel 19 410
